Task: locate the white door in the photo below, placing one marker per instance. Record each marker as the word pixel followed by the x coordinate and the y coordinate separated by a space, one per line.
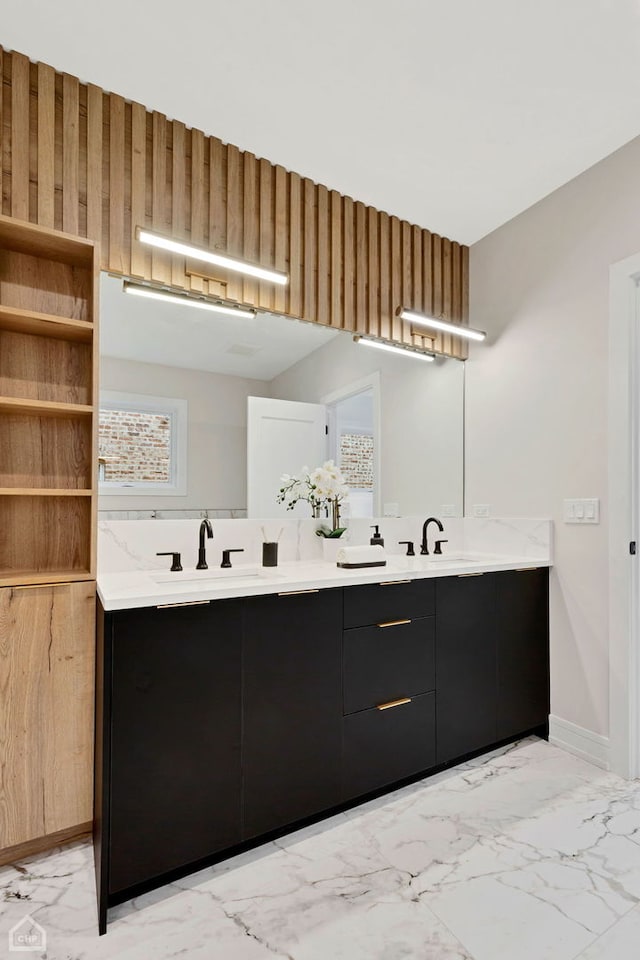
pixel 282 437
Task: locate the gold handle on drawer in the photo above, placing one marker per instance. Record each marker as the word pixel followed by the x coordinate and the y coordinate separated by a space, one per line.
pixel 296 593
pixel 461 575
pixel 186 603
pixel 393 623
pixel 393 703
pixel 526 569
pixel 39 586
pixel 392 583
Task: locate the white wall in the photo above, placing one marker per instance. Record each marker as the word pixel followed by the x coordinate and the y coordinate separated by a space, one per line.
pixel 536 413
pixel 421 418
pixel 217 455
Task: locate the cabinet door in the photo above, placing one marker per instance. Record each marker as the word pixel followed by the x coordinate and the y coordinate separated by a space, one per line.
pixel 292 708
pixel 522 633
pixel 383 746
pixel 175 738
pixel 46 705
pixel 465 665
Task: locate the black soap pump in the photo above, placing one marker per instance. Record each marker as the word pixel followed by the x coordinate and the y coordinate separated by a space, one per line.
pixel 376 539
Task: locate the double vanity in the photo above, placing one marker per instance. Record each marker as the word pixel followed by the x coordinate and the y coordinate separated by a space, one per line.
pixel 235 704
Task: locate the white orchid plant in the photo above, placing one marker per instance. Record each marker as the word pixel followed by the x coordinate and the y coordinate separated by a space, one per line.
pixel 324 486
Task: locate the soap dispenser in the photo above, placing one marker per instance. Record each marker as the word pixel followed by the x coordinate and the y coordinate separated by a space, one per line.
pixel 376 539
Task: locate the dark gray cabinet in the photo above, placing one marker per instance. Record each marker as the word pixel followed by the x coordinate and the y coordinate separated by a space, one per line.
pixel 292 709
pixel 175 770
pixel 466 681
pixel 218 723
pixel 492 659
pixel 522 655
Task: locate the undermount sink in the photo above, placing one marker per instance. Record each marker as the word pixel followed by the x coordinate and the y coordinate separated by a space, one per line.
pixel 447 557
pixel 204 577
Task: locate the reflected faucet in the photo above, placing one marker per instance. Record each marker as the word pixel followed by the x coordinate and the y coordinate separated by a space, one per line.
pixel 205 526
pixel 424 549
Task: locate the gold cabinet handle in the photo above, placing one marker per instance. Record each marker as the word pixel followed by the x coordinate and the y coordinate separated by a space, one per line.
pixel 296 593
pixel 461 575
pixel 392 583
pixel 393 703
pixel 186 603
pixel 526 569
pixel 393 623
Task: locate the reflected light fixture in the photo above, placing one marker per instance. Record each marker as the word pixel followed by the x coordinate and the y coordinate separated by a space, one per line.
pixel 138 290
pixel 456 328
pixel 392 348
pixel 210 256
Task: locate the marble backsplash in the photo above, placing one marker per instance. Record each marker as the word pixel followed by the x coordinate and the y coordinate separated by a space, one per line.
pixel 133 544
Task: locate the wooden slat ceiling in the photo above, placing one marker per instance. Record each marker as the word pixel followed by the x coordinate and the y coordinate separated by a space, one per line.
pixel 93 164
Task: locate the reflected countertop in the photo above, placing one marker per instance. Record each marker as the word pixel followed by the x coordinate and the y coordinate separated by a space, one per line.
pixel 150 588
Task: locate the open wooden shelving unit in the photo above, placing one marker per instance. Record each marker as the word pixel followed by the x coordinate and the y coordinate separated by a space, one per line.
pixel 48 405
pixel 48 480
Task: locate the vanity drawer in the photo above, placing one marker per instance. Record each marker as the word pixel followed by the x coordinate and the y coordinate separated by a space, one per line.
pixel 391 660
pixel 382 746
pixel 388 600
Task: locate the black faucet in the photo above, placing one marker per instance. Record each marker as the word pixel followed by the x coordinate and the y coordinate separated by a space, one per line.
pixel 205 526
pixel 424 549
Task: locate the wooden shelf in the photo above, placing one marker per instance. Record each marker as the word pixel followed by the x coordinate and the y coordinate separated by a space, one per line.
pixel 44 324
pixel 45 492
pixel 39 241
pixel 43 408
pixel 30 578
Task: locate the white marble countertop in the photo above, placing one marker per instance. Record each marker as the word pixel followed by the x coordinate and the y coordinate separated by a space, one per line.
pixel 150 588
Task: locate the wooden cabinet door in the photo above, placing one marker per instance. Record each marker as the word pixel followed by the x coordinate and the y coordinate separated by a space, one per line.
pixel 47 642
pixel 522 636
pixel 292 708
pixel 175 737
pixel 465 665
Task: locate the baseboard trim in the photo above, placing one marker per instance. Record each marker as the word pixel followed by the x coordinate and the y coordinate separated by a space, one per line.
pixel 579 741
pixel 20 851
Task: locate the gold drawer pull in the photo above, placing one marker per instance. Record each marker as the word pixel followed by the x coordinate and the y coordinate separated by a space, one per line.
pixel 393 623
pixel 461 575
pixel 392 583
pixel 526 569
pixel 296 593
pixel 39 586
pixel 393 703
pixel 186 603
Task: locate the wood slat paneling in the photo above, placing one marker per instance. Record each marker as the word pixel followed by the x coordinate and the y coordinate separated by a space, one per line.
pixel 95 163
pixel 335 271
pixel 348 264
pixel 19 136
pixel 118 261
pixel 102 166
pixel 281 230
pixel 46 144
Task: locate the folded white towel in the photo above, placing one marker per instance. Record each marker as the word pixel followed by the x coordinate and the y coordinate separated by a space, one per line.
pixel 363 554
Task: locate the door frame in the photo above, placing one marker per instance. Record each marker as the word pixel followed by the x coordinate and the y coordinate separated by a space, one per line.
pixel 624 512
pixel 370 382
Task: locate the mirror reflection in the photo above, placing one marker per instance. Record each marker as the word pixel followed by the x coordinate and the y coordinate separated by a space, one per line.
pixel 202 414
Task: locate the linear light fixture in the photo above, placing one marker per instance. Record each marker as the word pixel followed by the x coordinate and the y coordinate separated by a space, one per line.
pixel 137 290
pixel 392 348
pixel 456 328
pixel 209 256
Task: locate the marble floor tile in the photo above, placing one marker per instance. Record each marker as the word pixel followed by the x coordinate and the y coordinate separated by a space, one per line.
pixel 526 853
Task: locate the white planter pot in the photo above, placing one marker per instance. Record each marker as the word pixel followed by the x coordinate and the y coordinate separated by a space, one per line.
pixel 330 548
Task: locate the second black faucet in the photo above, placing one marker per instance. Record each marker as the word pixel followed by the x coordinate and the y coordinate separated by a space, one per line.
pixel 205 527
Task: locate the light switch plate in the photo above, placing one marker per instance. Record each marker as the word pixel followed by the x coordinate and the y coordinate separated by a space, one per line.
pixel 447 510
pixel 581 511
pixel 391 510
pixel 481 510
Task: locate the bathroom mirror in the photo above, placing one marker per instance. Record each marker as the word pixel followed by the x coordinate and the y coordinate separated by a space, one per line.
pixel 180 436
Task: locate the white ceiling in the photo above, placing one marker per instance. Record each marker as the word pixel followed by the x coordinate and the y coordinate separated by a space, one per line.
pixel 134 328
pixel 454 114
